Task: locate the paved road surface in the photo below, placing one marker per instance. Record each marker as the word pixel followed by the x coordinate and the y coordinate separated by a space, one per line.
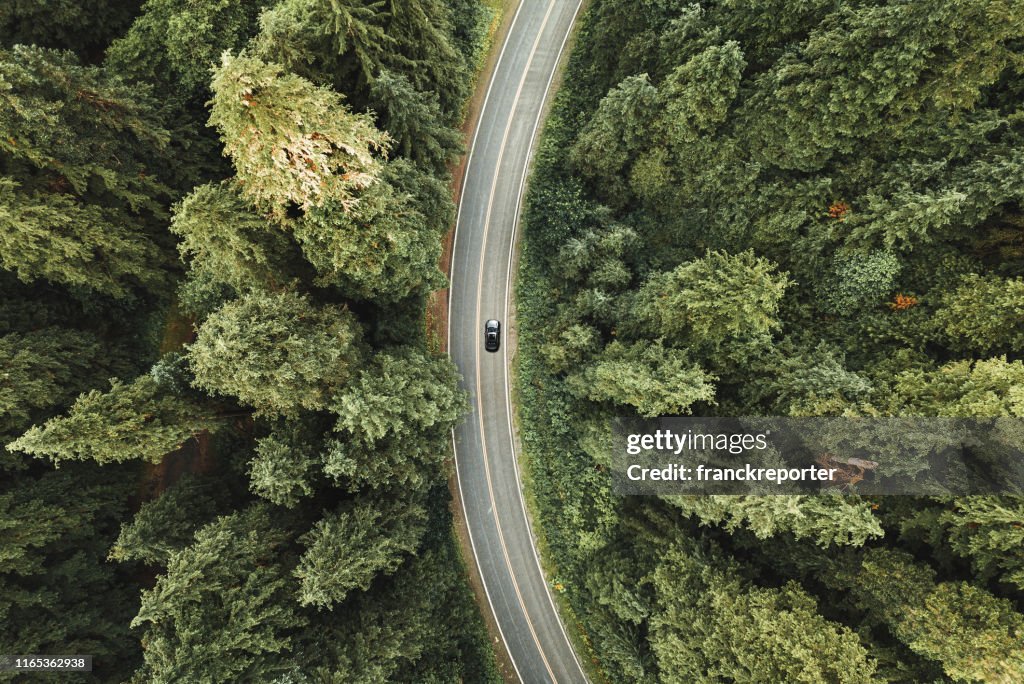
pixel 488 476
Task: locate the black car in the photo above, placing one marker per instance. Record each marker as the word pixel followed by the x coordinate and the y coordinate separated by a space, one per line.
pixel 492 335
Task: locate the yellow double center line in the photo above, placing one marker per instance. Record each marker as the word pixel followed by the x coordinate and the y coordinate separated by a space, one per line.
pixel 479 320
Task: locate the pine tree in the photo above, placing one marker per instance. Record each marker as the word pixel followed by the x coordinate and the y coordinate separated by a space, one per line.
pixel 984 315
pixel 838 89
pixel 81 25
pixel 413 119
pixel 57 593
pixel 41 370
pixel 711 300
pixel 223 611
pixel 66 241
pixel 175 43
pixel 361 540
pixel 808 382
pixel 325 39
pixel 402 392
pixel 167 524
pixel 973 634
pixel 653 379
pixel 387 246
pixel 80 128
pixel 390 634
pixel 281 469
pixel 989 530
pixel 983 388
pixel 387 462
pixel 140 420
pixel 698 94
pixel 78 198
pixel 221 236
pixel 278 352
pixel 616 134
pixel 424 52
pixel 824 519
pixel 292 143
pixel 711 626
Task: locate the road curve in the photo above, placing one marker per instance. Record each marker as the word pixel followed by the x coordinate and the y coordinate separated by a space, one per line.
pixel 485 458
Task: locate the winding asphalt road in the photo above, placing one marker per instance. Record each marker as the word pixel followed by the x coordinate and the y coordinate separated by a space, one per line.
pixel 485 457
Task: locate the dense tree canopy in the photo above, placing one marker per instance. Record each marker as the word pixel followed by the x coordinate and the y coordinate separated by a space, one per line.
pixel 789 209
pixel 85 26
pixel 348 548
pixel 78 194
pixel 279 353
pixel 291 142
pixel 219 611
pixel 231 466
pixel 139 420
pixel 221 236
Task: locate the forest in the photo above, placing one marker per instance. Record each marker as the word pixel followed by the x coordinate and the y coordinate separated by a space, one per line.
pixel 770 208
pixel 225 429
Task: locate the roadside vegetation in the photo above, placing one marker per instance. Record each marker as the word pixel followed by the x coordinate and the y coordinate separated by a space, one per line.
pixel 275 175
pixel 790 209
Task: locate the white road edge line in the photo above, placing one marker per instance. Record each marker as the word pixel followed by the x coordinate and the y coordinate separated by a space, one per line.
pixel 476 325
pixel 451 290
pixel 508 289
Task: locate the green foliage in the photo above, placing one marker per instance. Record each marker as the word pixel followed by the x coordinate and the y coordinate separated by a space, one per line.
pixel 390 633
pixel 81 128
pixel 655 380
pixel 985 389
pixel 176 43
pixel 401 392
pixel 990 531
pixel 814 382
pixel 976 636
pixel 387 462
pixel 824 519
pixel 348 548
pixel 387 246
pixel 698 94
pixel 838 89
pixel 861 280
pixel 280 470
pixel 616 132
pixel 984 314
pixel 711 627
pixel 221 612
pixel 394 421
pixel 65 241
pixel 78 195
pixel 426 53
pixel 81 25
pixel 277 352
pixel 298 33
pixel 221 236
pixel 413 119
pixel 41 369
pixel 57 593
pixel 166 524
pixel 710 300
pixel 317 238
pixel 291 142
pixel 822 203
pixel 141 420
